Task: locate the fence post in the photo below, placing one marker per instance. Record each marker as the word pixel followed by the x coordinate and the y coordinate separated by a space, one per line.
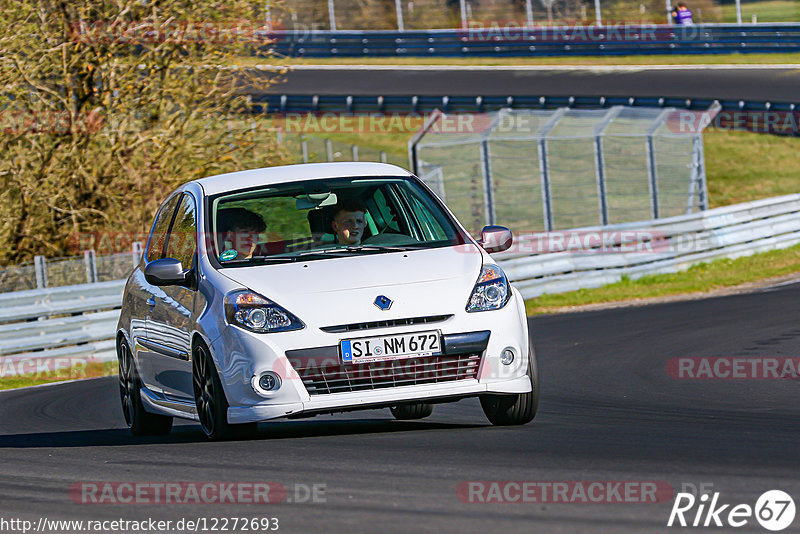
pixel 399 8
pixel 40 267
pixel 544 167
pixel 600 161
pixel 354 149
pixel 488 187
pixel 91 266
pixel 598 16
pixel 383 157
pixel 332 15
pixel 329 149
pixel 136 249
pixel 304 147
pixel 652 175
pixel 652 169
pixel 529 13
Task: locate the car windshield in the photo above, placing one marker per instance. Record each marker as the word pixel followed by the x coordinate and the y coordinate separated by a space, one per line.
pixel 320 219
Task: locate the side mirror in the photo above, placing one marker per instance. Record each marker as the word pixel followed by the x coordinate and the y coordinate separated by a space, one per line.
pixel 166 272
pixel 496 238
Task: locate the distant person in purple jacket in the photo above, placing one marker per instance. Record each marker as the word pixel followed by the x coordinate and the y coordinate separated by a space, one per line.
pixel 682 15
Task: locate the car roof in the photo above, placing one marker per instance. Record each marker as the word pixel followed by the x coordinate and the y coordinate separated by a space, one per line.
pixel 233 181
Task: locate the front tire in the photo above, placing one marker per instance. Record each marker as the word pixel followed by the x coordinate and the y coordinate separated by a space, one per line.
pixel 140 422
pixel 212 406
pixel 411 411
pixel 506 410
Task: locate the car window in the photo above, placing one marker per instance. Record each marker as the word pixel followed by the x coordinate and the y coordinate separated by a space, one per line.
pixel 424 216
pixel 182 240
pixel 158 235
pixel 318 219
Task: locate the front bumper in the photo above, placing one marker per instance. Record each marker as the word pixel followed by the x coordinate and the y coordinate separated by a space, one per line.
pixel 240 355
pixel 345 401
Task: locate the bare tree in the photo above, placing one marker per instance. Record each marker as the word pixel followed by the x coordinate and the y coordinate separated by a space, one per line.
pixel 108 104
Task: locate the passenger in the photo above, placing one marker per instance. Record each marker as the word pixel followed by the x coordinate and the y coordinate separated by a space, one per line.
pixel 349 222
pixel 238 232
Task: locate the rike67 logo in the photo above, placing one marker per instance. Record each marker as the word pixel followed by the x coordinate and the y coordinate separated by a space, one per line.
pixel 774 510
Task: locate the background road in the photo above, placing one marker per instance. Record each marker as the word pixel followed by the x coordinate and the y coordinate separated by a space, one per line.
pixel 768 83
pixel 609 411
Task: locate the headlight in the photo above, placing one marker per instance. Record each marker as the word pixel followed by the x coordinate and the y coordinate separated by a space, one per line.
pixel 253 312
pixel 491 290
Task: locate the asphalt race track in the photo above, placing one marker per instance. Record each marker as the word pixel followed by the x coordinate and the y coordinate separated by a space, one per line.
pixel 609 412
pixel 760 83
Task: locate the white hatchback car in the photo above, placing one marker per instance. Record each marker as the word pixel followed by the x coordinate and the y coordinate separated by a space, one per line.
pixel 308 289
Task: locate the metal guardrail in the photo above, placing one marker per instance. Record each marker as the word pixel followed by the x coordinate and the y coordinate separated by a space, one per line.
pixel 77 322
pixel 540 41
pixel 45 329
pixel 425 104
pixel 663 246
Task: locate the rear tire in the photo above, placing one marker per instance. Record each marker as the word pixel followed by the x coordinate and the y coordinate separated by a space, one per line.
pixel 506 410
pixel 212 406
pixel 415 410
pixel 140 422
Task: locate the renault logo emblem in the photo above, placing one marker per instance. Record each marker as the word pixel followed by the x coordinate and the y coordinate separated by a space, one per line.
pixel 383 302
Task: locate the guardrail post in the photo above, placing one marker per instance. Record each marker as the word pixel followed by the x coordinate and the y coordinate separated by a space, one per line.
pixel 488 187
pixel 91 266
pixel 40 267
pixel 136 250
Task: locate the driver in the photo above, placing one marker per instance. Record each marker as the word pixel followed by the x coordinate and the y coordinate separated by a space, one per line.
pixel 349 222
pixel 238 230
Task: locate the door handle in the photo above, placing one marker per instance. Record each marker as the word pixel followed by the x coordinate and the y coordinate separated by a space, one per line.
pixel 151 301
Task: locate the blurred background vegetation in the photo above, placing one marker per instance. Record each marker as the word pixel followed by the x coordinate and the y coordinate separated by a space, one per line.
pixel 109 104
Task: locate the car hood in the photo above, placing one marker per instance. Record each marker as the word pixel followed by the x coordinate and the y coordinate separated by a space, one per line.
pixel 339 291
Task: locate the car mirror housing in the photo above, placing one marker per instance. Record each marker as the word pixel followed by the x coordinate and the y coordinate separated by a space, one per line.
pixel 496 238
pixel 166 272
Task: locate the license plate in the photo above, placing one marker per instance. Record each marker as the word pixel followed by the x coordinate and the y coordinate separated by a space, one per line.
pixel 400 346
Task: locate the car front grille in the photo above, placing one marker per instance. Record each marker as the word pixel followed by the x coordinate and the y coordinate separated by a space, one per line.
pixel 385 323
pixel 336 377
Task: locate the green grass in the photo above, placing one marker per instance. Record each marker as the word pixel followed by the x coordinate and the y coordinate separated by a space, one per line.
pixel 659 59
pixel 90 370
pixel 743 166
pixel 699 278
pixel 766 11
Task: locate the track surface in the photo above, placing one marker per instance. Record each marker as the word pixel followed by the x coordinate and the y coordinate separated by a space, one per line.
pixel 609 411
pixel 777 84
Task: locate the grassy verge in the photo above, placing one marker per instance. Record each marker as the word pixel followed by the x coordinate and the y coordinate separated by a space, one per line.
pixel 90 370
pixel 700 278
pixel 659 59
pixel 743 166
pixel 765 11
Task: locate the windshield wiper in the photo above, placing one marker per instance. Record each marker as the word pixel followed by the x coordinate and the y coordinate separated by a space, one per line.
pixel 388 248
